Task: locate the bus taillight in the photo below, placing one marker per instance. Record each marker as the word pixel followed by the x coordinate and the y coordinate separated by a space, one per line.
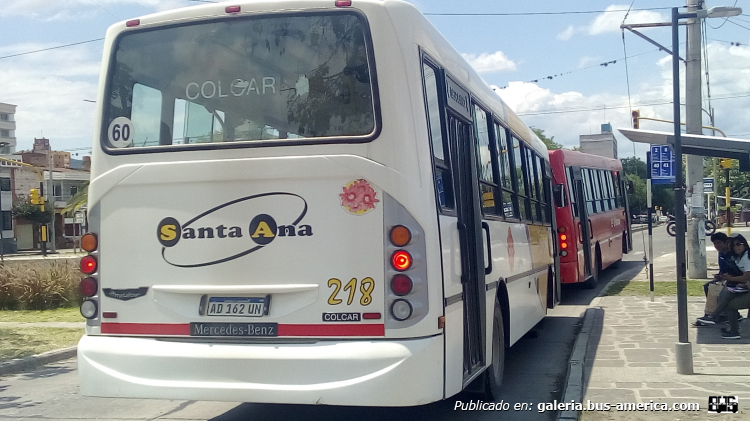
pixel 563 241
pixel 401 260
pixel 401 285
pixel 88 287
pixel 88 242
pixel 88 265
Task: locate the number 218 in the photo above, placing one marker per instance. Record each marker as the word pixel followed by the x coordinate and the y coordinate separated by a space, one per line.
pixel 366 286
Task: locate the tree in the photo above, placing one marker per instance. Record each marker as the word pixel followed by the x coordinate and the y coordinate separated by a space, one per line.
pixel 634 165
pixel 548 141
pixel 637 199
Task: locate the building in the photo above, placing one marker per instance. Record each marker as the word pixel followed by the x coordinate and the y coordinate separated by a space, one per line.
pixel 7 128
pixel 603 144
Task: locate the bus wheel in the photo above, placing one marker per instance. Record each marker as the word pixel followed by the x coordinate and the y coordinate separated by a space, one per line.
pixel 597 270
pixel 493 376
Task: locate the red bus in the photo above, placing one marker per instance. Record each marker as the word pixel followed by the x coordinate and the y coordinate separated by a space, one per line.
pixel 592 214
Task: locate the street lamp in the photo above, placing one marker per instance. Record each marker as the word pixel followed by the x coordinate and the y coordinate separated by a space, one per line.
pixel 683 351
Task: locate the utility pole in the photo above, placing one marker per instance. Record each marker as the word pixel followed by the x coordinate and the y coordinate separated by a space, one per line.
pixel 51 198
pixel 696 217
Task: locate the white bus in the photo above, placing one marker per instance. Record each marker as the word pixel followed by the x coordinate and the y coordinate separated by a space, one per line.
pixel 310 202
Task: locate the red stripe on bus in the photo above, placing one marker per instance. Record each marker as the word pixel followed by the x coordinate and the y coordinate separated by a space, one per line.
pixel 146 328
pixel 332 330
pixel 284 330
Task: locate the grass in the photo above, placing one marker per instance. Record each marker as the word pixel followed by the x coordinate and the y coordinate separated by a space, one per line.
pixel 71 314
pixel 627 288
pixel 23 342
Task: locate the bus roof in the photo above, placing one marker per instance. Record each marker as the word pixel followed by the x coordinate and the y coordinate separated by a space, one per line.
pixel 580 159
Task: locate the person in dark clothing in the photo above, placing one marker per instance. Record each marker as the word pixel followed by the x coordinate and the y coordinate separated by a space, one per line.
pixel 722 244
pixel 735 297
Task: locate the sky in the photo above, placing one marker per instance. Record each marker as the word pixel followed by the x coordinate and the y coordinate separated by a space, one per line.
pixel 561 65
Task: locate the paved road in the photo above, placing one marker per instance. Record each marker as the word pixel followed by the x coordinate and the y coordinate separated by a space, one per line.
pixel 536 372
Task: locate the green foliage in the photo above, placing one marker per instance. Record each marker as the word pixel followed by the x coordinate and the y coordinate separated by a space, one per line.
pixel 39 285
pixel 33 213
pixel 739 182
pixel 549 141
pixel 662 195
pixel 634 165
pixel 637 198
pixel 76 202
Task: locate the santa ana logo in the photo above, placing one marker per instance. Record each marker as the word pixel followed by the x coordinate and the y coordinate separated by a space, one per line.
pixel 261 230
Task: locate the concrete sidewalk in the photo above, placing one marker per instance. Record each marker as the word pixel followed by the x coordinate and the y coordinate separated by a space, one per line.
pixel 626 355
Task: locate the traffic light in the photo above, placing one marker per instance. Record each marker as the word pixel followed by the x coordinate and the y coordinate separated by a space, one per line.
pixel 34 196
pixel 725 164
pixel 636 116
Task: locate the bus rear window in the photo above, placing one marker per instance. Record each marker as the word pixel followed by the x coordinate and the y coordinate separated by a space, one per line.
pixel 283 77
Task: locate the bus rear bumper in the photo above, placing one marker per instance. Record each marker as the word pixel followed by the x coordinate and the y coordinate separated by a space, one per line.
pixel 366 373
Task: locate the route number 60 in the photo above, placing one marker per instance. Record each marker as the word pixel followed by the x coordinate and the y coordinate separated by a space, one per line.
pixel 120 132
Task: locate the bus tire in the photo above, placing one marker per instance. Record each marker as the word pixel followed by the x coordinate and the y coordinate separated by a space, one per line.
pixel 591 282
pixel 493 376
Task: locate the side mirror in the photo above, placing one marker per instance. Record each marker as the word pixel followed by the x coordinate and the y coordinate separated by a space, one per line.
pixel 558 193
pixel 631 187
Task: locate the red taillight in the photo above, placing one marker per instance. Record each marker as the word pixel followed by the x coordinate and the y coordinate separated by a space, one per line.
pixel 563 245
pixel 343 3
pixel 401 285
pixel 132 23
pixel 88 264
pixel 233 9
pixel 401 260
pixel 89 242
pixel 563 237
pixel 88 287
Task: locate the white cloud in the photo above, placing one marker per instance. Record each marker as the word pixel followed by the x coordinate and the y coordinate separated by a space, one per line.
pixel 611 21
pixel 49 89
pixel 566 34
pixel 489 63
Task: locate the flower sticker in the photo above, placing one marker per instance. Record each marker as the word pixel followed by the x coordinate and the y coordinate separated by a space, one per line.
pixel 358 197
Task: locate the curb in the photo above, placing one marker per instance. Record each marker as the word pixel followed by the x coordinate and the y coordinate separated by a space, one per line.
pixel 18 365
pixel 575 383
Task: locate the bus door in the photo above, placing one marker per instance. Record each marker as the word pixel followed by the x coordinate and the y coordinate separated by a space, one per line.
pixel 463 153
pixel 583 226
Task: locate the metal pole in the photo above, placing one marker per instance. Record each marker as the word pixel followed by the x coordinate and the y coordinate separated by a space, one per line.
pixel 728 202
pixel 696 237
pixel 2 225
pixel 51 235
pixel 683 349
pixel 650 208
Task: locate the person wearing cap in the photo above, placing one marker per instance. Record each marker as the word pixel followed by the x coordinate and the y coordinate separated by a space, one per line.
pixel 734 298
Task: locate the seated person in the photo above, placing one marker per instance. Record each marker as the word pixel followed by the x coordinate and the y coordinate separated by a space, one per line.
pixel 722 244
pixel 737 297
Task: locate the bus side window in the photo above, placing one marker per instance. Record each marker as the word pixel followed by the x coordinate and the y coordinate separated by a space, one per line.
pixel 546 184
pixel 506 176
pixel 487 185
pixel 521 181
pixel 611 189
pixel 534 193
pixel 590 208
pixel 571 191
pixel 443 179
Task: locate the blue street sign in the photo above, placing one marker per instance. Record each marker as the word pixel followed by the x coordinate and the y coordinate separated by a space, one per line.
pixel 708 185
pixel 662 164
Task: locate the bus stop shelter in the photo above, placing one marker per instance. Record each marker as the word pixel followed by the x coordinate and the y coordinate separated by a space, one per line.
pixel 693 144
pixel 701 145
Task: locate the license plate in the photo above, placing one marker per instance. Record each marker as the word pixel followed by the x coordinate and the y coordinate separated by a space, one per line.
pixel 238 306
pixel 234 329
